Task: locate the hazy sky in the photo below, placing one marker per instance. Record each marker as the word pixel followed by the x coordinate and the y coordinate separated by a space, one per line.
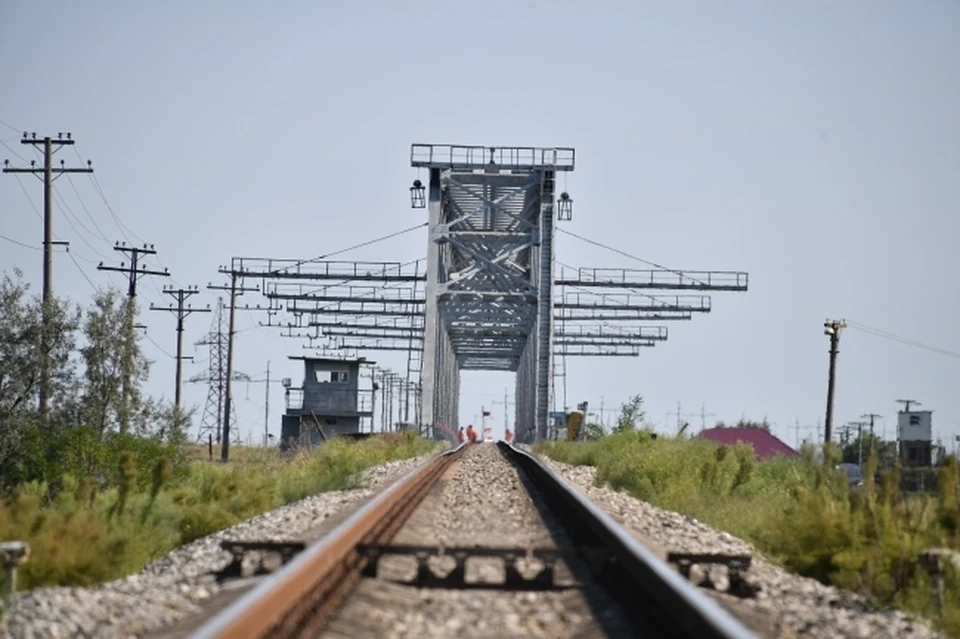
pixel 815 145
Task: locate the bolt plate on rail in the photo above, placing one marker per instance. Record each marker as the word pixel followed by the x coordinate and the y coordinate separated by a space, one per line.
pixel 736 565
pixel 257 557
pixel 543 577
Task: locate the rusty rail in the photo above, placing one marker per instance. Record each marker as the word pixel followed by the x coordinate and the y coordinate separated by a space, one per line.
pixel 299 599
pixel 656 597
pixel 302 597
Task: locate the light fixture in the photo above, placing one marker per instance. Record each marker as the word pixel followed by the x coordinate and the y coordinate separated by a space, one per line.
pixel 418 195
pixel 565 207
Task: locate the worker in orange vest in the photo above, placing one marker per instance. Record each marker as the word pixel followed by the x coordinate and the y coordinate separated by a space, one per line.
pixel 460 435
pixel 471 434
pixel 508 435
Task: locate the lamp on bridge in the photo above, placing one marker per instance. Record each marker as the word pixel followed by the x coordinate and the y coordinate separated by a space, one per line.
pixel 565 207
pixel 418 198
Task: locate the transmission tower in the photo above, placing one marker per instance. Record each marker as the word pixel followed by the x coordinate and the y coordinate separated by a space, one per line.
pixel 216 377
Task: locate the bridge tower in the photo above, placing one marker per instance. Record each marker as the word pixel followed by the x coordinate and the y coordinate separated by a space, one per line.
pixel 489 288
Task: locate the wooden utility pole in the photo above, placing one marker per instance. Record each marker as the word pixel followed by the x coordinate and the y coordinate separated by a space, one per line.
pixel 181 310
pixel 907 403
pixel 50 173
pixel 133 272
pixel 832 329
pixel 266 409
pixel 235 290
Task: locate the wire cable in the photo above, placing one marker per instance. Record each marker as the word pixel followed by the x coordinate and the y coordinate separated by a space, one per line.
pixel 350 248
pixel 159 348
pixel 629 256
pixel 876 332
pixel 13 241
pixel 8 147
pixel 82 272
pixel 83 204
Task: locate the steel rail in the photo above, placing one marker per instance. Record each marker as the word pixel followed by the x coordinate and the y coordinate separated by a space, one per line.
pixel 302 596
pixel 657 596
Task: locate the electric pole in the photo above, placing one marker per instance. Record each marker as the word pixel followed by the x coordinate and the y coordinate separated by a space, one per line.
pixel 832 329
pixel 703 416
pixel 797 428
pixel 871 417
pixel 181 310
pixel 266 409
pixel 859 426
pixel 235 290
pixel 506 406
pixel 50 146
pixel 133 272
pixel 907 403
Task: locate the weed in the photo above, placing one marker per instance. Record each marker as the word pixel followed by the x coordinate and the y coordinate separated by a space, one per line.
pixel 797 511
pixel 96 529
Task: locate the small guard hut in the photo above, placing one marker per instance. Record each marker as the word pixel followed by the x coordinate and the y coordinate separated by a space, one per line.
pixel 330 402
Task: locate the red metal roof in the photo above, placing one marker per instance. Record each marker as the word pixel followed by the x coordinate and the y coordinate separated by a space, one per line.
pixel 764 443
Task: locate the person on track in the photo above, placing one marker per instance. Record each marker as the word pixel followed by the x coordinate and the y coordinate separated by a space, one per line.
pixel 508 435
pixel 471 434
pixel 460 435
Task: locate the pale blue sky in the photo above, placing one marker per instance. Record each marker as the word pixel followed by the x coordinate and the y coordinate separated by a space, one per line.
pixel 815 145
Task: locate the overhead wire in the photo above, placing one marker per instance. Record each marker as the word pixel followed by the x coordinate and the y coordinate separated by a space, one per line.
pixel 876 332
pixel 83 204
pixel 9 148
pixel 18 243
pixel 629 255
pixel 349 248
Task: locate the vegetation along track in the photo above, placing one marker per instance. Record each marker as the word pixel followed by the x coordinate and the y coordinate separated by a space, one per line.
pixel 482 541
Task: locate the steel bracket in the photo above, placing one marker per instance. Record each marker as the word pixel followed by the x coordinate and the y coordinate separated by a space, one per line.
pixel 266 557
pixel 426 577
pixel 737 566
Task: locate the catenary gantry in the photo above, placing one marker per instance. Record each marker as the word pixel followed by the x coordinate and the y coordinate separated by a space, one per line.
pixel 486 296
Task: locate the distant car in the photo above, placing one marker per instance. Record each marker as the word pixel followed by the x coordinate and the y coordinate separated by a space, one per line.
pixel 854 474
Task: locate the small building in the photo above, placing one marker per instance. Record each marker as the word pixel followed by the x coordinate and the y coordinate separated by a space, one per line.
pixel 330 402
pixel 915 438
pixel 765 444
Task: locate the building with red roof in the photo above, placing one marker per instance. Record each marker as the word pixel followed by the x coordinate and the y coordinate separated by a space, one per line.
pixel 765 444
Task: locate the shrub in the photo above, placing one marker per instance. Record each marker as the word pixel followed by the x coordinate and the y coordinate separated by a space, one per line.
pixel 119 518
pixel 797 511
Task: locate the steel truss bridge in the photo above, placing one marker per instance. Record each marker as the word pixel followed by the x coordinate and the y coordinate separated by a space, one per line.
pixel 487 296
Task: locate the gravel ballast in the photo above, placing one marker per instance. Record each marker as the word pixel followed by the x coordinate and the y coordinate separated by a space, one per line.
pixel 175 585
pixel 798 606
pixel 480 502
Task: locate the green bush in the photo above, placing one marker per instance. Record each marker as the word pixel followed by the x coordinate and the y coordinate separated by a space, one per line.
pixel 800 513
pixel 134 504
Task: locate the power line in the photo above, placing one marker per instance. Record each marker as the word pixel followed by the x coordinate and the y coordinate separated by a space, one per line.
pixel 82 272
pixel 159 348
pixel 876 332
pixel 628 255
pixel 350 248
pixel 13 241
pixel 83 204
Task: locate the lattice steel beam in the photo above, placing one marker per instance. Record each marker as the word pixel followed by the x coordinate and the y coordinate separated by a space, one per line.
pixel 656 279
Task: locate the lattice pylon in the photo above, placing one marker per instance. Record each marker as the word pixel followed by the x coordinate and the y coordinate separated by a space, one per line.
pixel 211 422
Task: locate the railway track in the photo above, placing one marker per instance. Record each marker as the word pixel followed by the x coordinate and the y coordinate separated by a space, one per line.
pixel 482 540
